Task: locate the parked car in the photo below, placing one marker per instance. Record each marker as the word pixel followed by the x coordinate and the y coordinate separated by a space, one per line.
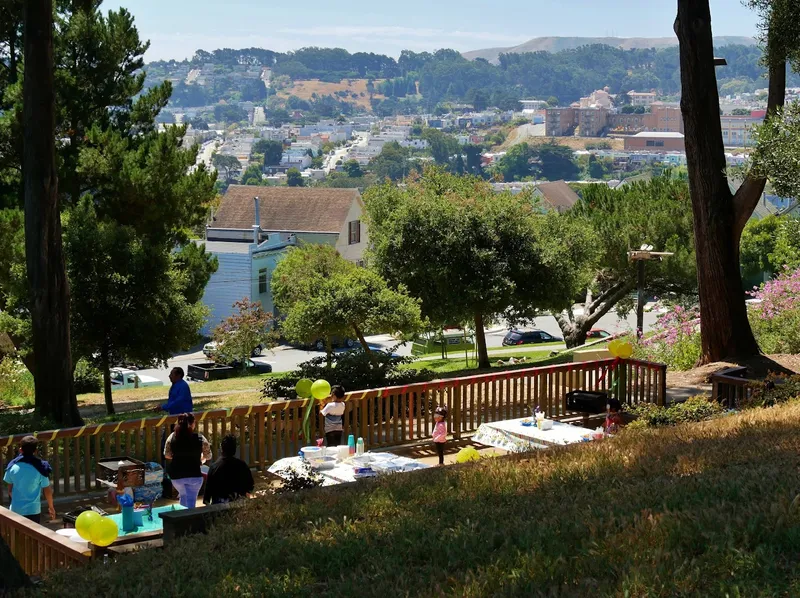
pixel 597 333
pixel 528 337
pixel 123 379
pixel 319 344
pixel 218 371
pixel 210 349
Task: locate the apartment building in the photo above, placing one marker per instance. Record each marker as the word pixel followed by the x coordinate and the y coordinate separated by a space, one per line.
pixel 642 98
pixel 737 131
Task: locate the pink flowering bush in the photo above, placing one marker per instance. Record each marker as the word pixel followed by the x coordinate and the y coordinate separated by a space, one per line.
pixel 775 318
pixel 675 339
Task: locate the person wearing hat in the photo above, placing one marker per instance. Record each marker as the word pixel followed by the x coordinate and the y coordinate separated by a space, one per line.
pixel 27 476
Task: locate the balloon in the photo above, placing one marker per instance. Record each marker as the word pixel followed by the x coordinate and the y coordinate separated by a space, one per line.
pixel 320 389
pixel 624 350
pixel 613 347
pixel 467 454
pixel 104 532
pixel 85 523
pixel 303 388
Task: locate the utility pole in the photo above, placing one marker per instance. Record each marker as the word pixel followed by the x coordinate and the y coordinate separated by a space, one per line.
pixel 641 256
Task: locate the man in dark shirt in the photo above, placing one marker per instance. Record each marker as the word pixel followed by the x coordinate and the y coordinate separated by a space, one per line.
pixel 229 478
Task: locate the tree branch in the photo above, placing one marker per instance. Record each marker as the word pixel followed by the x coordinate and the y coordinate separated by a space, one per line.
pixel 610 302
pixel 590 309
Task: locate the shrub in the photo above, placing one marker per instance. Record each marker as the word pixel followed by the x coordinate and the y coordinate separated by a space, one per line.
pixel 773 390
pixel 87 378
pixel 695 409
pixel 352 369
pixel 16 383
pixel 776 319
pixel 675 340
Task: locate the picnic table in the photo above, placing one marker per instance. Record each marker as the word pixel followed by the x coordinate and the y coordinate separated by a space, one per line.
pixel 512 436
pixel 343 471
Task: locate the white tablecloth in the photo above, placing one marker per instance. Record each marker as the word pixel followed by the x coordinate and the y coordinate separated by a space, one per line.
pixel 342 472
pixel 512 436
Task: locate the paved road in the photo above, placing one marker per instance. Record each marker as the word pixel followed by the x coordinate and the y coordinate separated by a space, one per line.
pixel 286 358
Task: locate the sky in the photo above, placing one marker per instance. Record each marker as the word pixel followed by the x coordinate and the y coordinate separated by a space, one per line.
pixel 176 28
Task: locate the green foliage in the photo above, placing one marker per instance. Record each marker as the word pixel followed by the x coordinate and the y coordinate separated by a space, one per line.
pixel 777 151
pixel 392 163
pixel 294 178
pixel 773 390
pixel 757 246
pixel 325 296
pixel 442 146
pixel 549 161
pixel 353 169
pixel 695 409
pixel 228 165
pixel 272 151
pixel 253 175
pixel 86 377
pixel 354 370
pixel 295 480
pixel 470 253
pixel 237 336
pixel 229 113
pixel 16 383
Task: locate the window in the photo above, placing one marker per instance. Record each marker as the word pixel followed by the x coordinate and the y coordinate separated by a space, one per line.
pixel 262 281
pixel 354 232
pixel 361 263
pixel 651 143
pixel 659 144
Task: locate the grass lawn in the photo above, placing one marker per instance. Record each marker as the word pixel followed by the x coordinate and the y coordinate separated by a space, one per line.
pixel 707 509
pixel 459 365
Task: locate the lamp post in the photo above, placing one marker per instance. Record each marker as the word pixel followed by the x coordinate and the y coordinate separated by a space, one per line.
pixel 641 256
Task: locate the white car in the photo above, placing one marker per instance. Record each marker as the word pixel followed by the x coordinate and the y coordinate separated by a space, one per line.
pixel 122 379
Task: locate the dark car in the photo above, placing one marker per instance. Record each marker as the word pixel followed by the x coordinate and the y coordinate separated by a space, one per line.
pixel 597 333
pixel 336 343
pixel 528 337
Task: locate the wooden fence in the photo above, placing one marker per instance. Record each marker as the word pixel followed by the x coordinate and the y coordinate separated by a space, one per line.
pixel 731 386
pixel 383 417
pixel 36 548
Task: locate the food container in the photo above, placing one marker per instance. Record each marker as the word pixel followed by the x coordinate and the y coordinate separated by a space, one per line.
pixel 309 453
pixel 121 472
pixel 323 463
pixel 342 452
pixel 545 424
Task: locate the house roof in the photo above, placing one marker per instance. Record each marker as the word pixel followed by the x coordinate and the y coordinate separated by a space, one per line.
pixel 558 194
pixel 660 135
pixel 291 209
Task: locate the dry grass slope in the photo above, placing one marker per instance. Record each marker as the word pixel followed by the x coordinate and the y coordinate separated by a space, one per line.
pixel 708 509
pixel 305 89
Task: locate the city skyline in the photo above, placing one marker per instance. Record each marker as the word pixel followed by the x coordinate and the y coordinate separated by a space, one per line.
pixel 178 28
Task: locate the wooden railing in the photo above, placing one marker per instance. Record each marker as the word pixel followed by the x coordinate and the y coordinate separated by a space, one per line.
pixel 730 386
pixel 383 417
pixel 36 548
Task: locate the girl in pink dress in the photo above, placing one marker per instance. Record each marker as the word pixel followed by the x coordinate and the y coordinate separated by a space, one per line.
pixel 440 432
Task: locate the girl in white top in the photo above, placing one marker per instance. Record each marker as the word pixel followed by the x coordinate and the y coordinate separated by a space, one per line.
pixel 334 420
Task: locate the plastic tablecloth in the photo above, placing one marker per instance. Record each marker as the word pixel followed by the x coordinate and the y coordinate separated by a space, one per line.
pixel 512 436
pixel 342 472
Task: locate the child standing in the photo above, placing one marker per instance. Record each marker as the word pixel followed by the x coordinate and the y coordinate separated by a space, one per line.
pixel 334 420
pixel 440 432
pixel 613 422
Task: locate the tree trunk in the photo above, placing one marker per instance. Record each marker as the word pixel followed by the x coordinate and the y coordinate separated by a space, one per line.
pixel 329 352
pixel 725 329
pixel 480 341
pixel 106 366
pixel 55 394
pixel 12 51
pixel 575 329
pixel 364 344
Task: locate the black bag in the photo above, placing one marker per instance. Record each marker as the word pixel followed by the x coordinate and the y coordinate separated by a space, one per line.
pixel 587 401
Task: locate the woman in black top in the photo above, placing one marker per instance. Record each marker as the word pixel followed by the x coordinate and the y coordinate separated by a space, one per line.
pixel 185 451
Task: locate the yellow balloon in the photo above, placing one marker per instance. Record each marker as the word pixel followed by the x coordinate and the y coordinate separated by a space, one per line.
pixel 613 347
pixel 624 350
pixel 467 454
pixel 104 532
pixel 85 523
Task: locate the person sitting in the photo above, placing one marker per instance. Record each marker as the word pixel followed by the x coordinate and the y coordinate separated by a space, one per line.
pixel 229 478
pixel 614 421
pixel 27 476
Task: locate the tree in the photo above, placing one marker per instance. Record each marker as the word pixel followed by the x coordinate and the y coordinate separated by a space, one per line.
pixel 557 162
pixel 253 175
pixel 228 165
pixel 392 162
pixel 294 178
pixel 520 162
pixel 272 150
pixel 443 146
pixel 656 213
pixel 277 117
pixel 229 113
pixel 471 254
pixel 323 295
pixel 241 332
pixel 131 298
pixel 719 215
pixel 768 245
pixel 353 169
pixel 55 394
pixel 740 112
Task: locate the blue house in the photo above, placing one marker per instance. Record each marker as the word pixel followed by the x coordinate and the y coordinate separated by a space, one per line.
pixel 255 227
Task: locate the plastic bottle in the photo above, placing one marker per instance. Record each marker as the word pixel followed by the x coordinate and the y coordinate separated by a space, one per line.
pixel 360 447
pixel 351 444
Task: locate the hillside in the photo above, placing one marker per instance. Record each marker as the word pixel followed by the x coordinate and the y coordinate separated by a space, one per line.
pixel 558 44
pixel 704 509
pixel 349 90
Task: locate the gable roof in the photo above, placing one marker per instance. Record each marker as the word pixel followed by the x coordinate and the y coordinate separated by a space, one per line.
pixel 558 194
pixel 289 209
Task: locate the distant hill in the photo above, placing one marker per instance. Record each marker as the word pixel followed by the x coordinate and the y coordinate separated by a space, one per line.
pixel 557 44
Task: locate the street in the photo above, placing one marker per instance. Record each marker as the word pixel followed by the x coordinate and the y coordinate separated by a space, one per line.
pixel 286 358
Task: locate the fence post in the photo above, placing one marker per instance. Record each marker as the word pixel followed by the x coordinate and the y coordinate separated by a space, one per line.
pixel 662 387
pixel 622 381
pixel 456 412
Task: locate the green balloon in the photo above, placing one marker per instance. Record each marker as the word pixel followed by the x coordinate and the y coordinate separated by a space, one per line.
pixel 303 388
pixel 320 389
